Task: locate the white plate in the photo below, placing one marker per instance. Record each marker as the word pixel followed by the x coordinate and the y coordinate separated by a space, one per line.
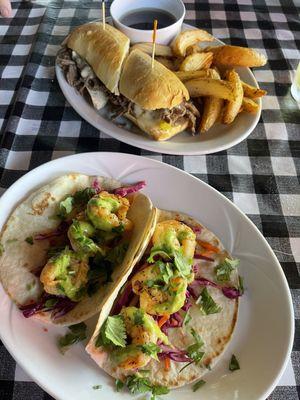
pixel 220 137
pixel 263 337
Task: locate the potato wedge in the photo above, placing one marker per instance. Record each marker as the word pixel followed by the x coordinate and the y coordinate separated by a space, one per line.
pixel 204 73
pixel 249 105
pixel 167 62
pixel 196 61
pixel 211 111
pixel 232 108
pixel 189 38
pixel 253 92
pixel 160 49
pixel 237 56
pixel 210 87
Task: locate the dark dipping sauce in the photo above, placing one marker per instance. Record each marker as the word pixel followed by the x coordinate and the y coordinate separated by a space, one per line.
pixel 144 18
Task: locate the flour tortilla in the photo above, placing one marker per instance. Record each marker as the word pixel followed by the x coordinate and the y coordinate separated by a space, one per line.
pixel 216 329
pixel 34 215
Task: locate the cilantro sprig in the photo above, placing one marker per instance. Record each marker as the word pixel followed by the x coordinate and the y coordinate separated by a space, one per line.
pixel 224 269
pixel 112 332
pixel 77 334
pixel 138 384
pixel 207 303
pixel 234 364
pixel 151 349
pixel 198 385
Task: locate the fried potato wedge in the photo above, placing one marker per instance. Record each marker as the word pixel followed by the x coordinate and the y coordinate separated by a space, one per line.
pixel 167 62
pixel 196 61
pixel 212 108
pixel 160 49
pixel 253 92
pixel 232 108
pixel 204 73
pixel 210 87
pixel 189 38
pixel 249 105
pixel 237 56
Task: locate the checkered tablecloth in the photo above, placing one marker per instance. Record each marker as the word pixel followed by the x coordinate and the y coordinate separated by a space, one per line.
pixel 260 175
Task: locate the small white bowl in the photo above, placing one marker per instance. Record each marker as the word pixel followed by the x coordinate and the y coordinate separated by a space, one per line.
pixel 164 35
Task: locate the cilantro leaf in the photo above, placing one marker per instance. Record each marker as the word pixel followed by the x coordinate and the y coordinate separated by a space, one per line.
pixel 241 288
pixel 207 303
pixel 165 269
pixel 138 317
pixel 137 384
pixel 1 249
pixel 77 334
pixel 50 303
pixel 81 197
pixel 182 263
pixel 151 349
pixel 96 387
pixel 187 318
pixel 119 385
pixel 113 331
pixel 194 350
pixel 198 385
pixel 224 269
pixel 29 240
pixel 234 364
pixel 65 207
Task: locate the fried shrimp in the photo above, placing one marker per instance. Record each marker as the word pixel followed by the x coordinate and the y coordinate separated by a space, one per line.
pixel 156 296
pixel 175 235
pixel 108 212
pixel 141 329
pixel 65 274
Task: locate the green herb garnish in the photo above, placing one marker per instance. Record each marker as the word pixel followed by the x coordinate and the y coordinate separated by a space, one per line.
pixel 138 385
pixel 29 240
pixel 113 331
pixel 65 207
pixel 241 288
pixel 30 286
pixel 194 350
pixel 207 303
pixel 151 349
pixel 158 252
pixel 1 249
pixel 138 317
pixel 198 385
pixel 50 303
pixel 96 387
pixel 224 269
pixel 77 334
pixel 119 385
pixel 234 364
pixel 187 318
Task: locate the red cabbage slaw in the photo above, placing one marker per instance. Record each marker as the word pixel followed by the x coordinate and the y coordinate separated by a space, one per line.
pixel 229 292
pixel 61 229
pixel 60 307
pixel 173 353
pixel 124 191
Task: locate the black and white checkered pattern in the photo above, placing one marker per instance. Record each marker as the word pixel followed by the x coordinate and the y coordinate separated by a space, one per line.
pixel 260 175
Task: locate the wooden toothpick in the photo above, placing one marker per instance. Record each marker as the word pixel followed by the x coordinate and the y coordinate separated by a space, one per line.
pixel 103 13
pixel 153 41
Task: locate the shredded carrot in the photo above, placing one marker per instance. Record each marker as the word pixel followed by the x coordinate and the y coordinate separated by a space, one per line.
pixel 208 246
pixel 162 320
pixel 167 364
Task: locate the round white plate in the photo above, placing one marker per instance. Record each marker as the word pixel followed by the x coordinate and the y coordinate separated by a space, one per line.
pixel 220 137
pixel 263 337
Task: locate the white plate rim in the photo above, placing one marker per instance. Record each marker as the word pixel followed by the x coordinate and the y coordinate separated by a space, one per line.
pixel 289 346
pixel 158 147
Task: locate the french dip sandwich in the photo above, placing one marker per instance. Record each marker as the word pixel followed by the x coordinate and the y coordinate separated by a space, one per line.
pixel 97 62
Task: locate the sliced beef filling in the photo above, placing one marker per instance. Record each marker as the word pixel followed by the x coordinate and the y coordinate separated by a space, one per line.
pixel 80 75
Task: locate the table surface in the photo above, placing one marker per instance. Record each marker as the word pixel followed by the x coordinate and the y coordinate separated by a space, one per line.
pixel 260 175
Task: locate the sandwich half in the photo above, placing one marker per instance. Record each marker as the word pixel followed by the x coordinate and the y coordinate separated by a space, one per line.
pixel 96 62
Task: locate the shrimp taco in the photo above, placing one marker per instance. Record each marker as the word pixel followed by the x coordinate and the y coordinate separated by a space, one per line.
pixel 67 244
pixel 171 321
